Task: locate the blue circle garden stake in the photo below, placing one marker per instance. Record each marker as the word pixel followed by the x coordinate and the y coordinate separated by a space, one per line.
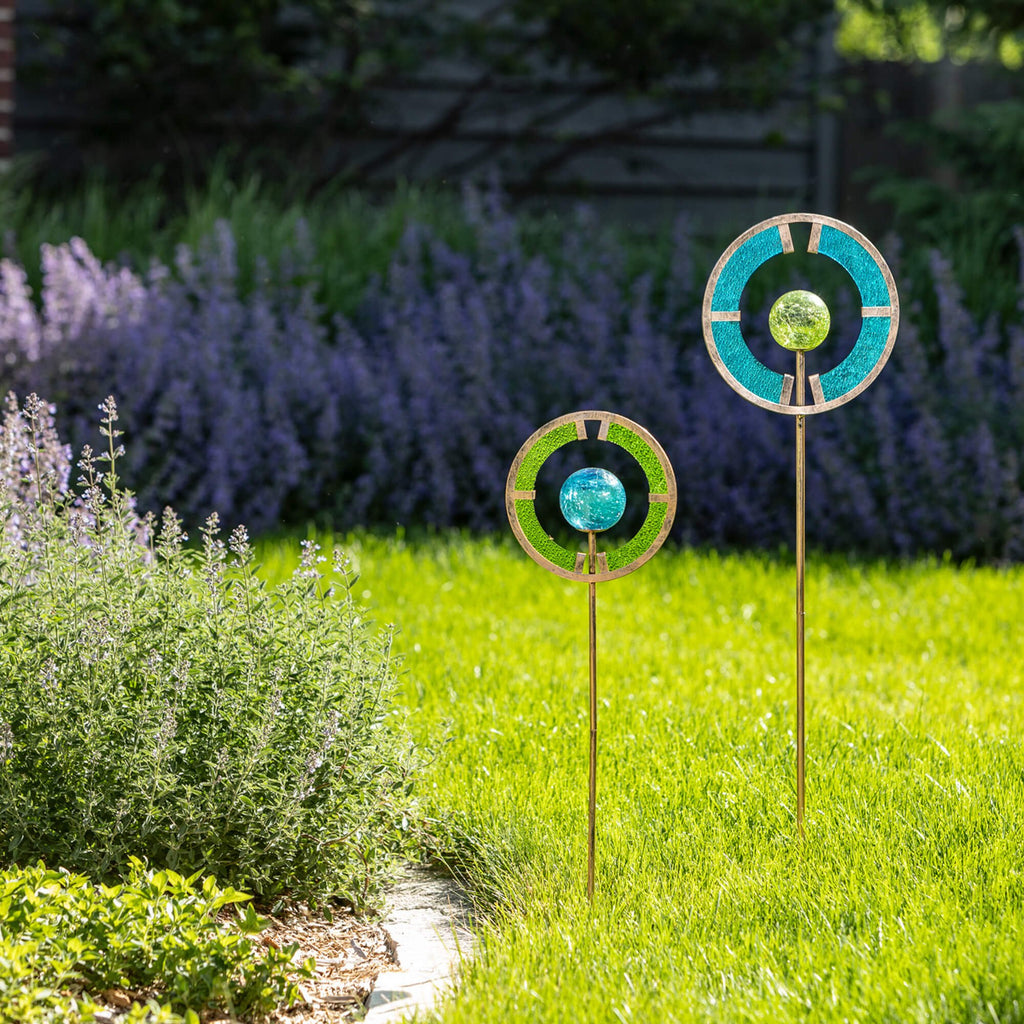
pixel 799 321
pixel 592 501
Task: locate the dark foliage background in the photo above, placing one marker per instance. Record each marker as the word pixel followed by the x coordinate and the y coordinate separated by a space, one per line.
pixel 291 82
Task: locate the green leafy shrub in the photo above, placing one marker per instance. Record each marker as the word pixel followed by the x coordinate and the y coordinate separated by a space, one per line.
pixel 158 701
pixel 64 938
pixel 353 233
pixel 974 216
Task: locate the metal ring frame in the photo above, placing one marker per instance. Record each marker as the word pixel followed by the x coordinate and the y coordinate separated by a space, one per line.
pixel 880 313
pixel 520 495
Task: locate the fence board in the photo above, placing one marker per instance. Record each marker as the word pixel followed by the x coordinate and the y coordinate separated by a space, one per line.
pixel 552 136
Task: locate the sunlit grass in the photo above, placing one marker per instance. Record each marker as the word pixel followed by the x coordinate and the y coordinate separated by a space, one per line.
pixel 905 902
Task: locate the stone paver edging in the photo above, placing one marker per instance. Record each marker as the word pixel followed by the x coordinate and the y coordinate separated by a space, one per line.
pixel 428 918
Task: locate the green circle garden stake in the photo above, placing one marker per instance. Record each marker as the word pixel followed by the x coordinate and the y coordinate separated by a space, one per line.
pixel 592 501
pixel 799 321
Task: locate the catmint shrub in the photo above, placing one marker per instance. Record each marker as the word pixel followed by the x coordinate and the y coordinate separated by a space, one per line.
pixel 158 701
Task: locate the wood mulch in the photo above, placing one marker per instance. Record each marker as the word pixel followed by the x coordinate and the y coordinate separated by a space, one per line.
pixel 349 954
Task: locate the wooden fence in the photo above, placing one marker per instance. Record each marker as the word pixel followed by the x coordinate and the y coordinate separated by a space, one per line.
pixel 553 136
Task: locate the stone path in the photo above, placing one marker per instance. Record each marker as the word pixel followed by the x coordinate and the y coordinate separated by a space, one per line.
pixel 428 917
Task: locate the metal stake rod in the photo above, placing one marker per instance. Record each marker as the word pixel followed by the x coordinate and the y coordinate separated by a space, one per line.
pixel 801 535
pixel 592 803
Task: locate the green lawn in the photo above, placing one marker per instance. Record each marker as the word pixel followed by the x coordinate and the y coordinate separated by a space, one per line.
pixel 904 903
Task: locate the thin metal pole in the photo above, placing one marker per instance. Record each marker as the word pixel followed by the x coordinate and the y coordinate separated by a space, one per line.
pixel 592 803
pixel 801 536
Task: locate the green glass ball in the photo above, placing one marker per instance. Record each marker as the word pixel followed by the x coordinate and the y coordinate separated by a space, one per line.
pixel 799 321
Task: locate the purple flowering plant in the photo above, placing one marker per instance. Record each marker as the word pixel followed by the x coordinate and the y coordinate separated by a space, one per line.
pixel 264 405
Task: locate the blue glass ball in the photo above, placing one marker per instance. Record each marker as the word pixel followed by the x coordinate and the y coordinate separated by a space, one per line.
pixel 592 499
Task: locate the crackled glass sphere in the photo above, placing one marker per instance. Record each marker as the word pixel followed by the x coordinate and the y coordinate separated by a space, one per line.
pixel 799 321
pixel 592 499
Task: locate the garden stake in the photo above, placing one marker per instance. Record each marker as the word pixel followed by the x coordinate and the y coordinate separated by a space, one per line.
pixel 799 321
pixel 801 540
pixel 592 793
pixel 592 500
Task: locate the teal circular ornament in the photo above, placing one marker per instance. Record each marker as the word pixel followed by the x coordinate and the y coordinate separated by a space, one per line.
pixel 592 499
pixel 798 326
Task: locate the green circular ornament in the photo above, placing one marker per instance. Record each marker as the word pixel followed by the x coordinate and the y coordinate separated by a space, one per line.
pixel 520 496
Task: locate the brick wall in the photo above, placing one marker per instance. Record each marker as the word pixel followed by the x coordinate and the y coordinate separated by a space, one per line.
pixel 6 80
